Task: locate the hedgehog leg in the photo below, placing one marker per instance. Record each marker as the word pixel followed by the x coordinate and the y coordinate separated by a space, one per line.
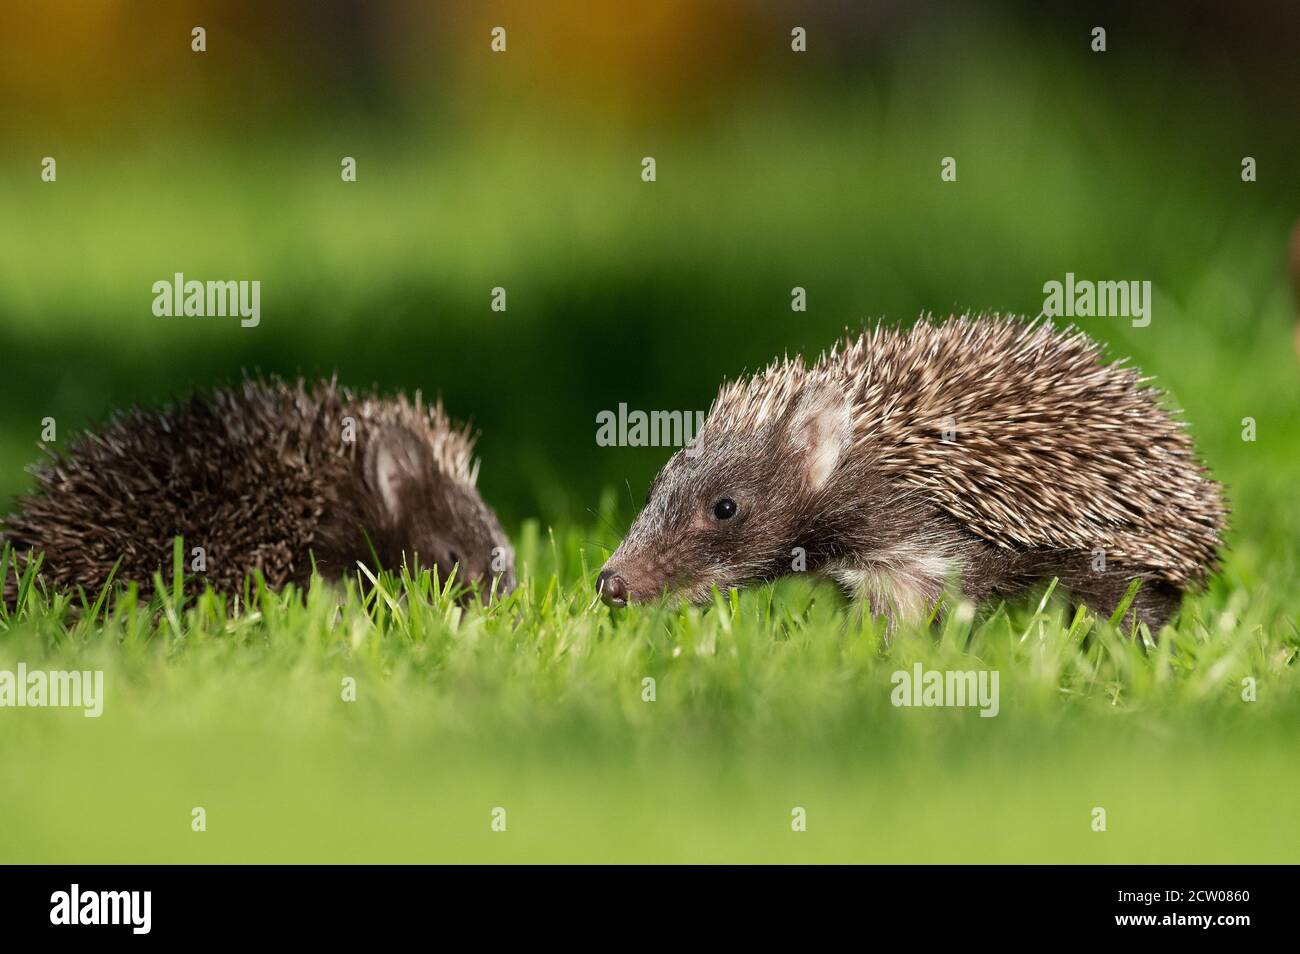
pixel 1102 592
pixel 1155 602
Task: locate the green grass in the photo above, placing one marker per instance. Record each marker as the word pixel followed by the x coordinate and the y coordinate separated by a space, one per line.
pixel 769 699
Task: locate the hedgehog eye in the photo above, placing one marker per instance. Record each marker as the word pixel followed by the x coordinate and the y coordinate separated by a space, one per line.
pixel 454 557
pixel 725 508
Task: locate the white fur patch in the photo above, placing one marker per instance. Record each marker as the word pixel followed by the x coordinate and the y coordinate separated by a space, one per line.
pixel 902 583
pixel 893 595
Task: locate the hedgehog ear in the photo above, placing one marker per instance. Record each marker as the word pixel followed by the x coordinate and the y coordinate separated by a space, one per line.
pixel 394 460
pixel 821 430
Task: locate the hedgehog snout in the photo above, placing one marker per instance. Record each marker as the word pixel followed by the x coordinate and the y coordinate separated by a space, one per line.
pixel 612 588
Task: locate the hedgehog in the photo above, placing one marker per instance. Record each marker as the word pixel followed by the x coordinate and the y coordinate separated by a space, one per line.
pixel 269 476
pixel 986 452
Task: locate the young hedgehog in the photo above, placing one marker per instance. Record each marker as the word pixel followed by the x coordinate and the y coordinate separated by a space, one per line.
pixel 985 449
pixel 265 476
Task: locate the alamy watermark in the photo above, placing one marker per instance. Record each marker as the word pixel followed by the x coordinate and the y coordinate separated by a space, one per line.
pixel 1081 298
pixel 53 689
pixel 211 299
pixel 75 906
pixel 624 428
pixel 950 688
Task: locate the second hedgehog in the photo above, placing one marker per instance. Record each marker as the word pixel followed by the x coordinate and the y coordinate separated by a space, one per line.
pixel 267 476
pixel 989 451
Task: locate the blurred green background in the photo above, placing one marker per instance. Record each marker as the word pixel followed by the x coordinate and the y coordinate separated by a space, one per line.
pixel 522 170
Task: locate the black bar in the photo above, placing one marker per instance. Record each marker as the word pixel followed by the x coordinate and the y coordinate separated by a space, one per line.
pixel 334 904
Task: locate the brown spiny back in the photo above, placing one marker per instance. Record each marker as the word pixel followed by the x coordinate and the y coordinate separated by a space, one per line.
pixel 1051 446
pixel 247 472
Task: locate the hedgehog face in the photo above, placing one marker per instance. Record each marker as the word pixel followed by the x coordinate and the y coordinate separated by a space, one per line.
pixel 424 514
pixel 730 509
